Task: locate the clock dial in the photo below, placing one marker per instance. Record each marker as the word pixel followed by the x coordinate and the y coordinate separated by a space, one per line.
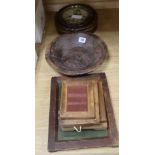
pixel 75 15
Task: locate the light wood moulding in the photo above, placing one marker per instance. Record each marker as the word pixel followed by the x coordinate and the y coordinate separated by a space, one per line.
pixel 100 121
pixel 63 102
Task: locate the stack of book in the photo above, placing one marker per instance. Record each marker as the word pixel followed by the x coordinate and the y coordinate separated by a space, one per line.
pixel 82 106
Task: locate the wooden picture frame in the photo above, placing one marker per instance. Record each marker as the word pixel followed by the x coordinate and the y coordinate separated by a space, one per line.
pixel 55 145
pixel 103 118
pixel 90 99
pixel 86 121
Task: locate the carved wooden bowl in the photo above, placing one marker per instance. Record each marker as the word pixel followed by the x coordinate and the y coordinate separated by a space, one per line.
pixel 76 53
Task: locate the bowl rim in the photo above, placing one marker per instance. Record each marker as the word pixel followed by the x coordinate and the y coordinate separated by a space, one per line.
pixel 82 71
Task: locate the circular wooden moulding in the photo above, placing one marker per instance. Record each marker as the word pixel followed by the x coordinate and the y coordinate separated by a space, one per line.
pixel 76 53
pixel 76 18
pixel 87 29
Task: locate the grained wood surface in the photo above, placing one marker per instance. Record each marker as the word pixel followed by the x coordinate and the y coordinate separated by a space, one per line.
pixel 102 103
pixel 55 5
pixel 100 126
pixel 71 57
pixel 107 30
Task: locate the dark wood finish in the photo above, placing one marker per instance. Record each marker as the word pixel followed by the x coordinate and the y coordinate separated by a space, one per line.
pixel 67 24
pixel 55 145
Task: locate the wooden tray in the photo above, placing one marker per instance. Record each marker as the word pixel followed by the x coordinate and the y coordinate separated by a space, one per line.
pixel 76 53
pixel 55 145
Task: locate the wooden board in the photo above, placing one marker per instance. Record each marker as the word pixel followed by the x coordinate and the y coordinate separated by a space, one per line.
pixel 97 4
pixel 85 134
pixel 54 144
pixel 100 126
pixel 103 117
